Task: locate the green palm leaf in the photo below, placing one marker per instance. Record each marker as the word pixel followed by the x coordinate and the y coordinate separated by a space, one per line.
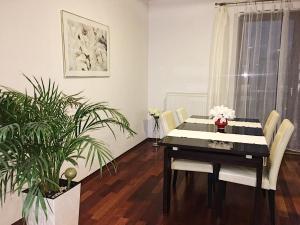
pixel 37 135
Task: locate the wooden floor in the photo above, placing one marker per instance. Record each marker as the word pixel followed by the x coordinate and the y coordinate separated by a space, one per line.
pixel 134 195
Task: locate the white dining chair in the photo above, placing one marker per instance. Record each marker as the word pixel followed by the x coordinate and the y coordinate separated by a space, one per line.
pixel 247 176
pixel 270 126
pixel 182 114
pixel 169 124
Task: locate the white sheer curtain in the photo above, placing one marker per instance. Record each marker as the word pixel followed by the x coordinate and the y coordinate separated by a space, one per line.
pixel 254 62
pixel 218 68
pixel 267 64
pixel 258 61
pixel 288 101
pixel 283 61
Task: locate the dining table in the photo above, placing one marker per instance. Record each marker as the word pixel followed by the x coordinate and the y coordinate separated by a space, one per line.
pixel 241 143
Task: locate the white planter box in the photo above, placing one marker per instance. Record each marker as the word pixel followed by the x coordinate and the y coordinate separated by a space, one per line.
pixel 65 209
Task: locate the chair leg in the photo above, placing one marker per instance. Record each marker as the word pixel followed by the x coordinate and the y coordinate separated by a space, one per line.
pixel 216 169
pixel 210 181
pixel 263 192
pixel 271 197
pixel 187 174
pixel 221 189
pixel 174 178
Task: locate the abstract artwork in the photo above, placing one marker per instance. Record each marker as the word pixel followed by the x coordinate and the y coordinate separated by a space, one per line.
pixel 85 47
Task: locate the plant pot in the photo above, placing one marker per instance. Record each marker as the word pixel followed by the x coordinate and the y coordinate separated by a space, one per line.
pixel 61 210
pixel 221 125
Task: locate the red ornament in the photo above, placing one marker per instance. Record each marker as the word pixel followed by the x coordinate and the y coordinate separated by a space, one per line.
pixel 221 125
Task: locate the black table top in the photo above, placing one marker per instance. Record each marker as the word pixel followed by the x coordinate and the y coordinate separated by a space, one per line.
pixel 217 146
pixel 228 129
pixel 235 119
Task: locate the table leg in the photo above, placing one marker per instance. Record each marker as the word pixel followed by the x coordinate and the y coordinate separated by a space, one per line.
pixel 259 170
pixel 167 181
pixel 216 170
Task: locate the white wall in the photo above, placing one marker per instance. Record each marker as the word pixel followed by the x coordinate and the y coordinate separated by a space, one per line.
pixel 180 34
pixel 30 43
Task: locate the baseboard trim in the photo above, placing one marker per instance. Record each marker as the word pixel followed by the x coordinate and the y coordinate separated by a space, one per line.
pixel 96 173
pixel 19 222
pixel 290 152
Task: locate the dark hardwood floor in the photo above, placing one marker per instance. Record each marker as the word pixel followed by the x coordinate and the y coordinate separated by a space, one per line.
pixel 134 195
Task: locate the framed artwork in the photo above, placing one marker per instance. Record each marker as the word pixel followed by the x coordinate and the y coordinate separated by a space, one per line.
pixel 85 47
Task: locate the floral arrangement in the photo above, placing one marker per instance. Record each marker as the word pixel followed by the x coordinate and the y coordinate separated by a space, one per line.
pixel 221 113
pixel 155 113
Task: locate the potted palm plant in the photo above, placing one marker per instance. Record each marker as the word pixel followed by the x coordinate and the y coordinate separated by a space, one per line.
pixel 38 134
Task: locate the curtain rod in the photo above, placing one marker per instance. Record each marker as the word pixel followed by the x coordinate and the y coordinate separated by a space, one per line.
pixel 247 2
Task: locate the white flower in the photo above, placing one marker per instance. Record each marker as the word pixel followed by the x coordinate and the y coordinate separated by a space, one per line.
pixel 155 112
pixel 222 113
pixel 151 111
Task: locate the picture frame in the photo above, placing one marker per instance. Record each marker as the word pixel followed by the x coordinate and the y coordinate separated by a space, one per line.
pixel 86 47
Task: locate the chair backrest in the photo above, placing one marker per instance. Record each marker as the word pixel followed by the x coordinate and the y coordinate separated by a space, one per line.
pixel 182 114
pixel 278 148
pixel 168 121
pixel 270 126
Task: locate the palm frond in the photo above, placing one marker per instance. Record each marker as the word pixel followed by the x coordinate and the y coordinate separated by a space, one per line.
pixel 99 149
pixel 8 131
pixel 37 135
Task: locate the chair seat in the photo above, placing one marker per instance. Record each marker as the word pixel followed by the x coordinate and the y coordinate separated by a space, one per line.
pixel 191 165
pixel 243 175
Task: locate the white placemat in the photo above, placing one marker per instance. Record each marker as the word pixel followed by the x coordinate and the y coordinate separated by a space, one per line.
pixel 238 138
pixel 230 123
